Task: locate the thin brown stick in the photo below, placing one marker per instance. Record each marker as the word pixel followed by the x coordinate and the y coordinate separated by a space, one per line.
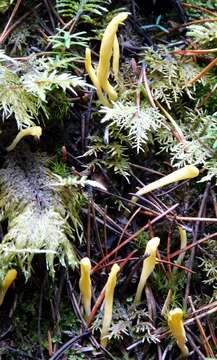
pixel 197 226
pixel 207 346
pixel 16 23
pixel 192 245
pixel 13 14
pixel 203 72
pixel 200 8
pixel 135 235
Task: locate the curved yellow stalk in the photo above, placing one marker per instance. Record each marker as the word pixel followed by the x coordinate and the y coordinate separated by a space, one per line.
pixel 187 172
pixel 109 296
pixel 85 284
pixel 148 266
pixel 91 72
pixel 175 323
pixel 106 49
pixel 35 131
pixel 183 243
pixel 6 283
pixel 116 58
pixel 110 91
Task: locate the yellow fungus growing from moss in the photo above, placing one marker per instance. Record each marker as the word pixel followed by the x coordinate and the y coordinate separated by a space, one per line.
pixel 187 172
pixel 176 326
pixel 148 266
pixel 108 303
pixel 109 46
pixel 6 283
pixel 35 131
pixel 85 284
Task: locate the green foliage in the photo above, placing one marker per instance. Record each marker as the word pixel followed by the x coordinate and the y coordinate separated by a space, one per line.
pixel 24 93
pixel 133 321
pixel 141 241
pixel 84 10
pixel 111 156
pixel 15 99
pixel 64 40
pixel 208 4
pixel 36 213
pixel 139 123
pixel 4 5
pixel 208 264
pixel 200 131
pixel 169 76
pixel 205 34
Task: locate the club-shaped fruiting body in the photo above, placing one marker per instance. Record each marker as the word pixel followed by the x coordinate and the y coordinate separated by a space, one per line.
pixel 108 303
pixel 187 172
pixel 85 284
pixel 35 131
pixel 176 326
pixel 183 243
pixel 109 46
pixel 6 283
pixel 147 267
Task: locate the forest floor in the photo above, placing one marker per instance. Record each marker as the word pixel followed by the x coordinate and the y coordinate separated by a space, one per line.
pixel 74 192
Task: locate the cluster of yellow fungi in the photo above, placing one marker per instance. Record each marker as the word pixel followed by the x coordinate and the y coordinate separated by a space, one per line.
pixel 109 48
pixel 174 317
pixel 86 292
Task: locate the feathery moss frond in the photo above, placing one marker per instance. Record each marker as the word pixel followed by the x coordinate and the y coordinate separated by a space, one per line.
pixel 35 211
pixel 139 123
pixel 205 34
pixel 24 95
pixel 85 10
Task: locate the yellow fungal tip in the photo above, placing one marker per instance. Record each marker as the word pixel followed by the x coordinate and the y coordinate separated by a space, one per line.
pixel 85 284
pixel 9 278
pixel 6 283
pixel 175 314
pixel 147 267
pixel 175 323
pixel 109 296
pixel 115 268
pixel 35 131
pixel 85 262
pixel 152 245
pixel 193 171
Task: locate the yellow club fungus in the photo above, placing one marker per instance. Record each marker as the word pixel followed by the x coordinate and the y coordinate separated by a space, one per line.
pixel 116 58
pixel 176 326
pixel 109 46
pixel 35 131
pixel 91 72
pixel 108 303
pixel 85 284
pixel 148 266
pixel 183 243
pixel 187 172
pixel 6 283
